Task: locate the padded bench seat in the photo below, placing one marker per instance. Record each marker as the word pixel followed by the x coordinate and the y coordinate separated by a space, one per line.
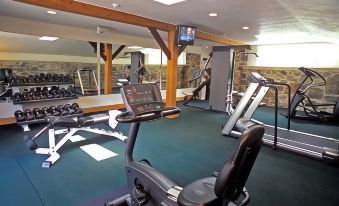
pixel 82 121
pixel 90 120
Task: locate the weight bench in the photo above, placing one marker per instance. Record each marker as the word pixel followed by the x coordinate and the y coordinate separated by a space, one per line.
pixel 70 126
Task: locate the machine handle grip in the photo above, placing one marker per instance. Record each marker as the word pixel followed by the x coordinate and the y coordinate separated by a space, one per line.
pixel 127 117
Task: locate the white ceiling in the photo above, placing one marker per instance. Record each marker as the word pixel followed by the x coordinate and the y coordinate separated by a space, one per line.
pixel 270 21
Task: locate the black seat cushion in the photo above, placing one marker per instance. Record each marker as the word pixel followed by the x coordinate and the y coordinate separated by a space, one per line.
pixel 200 192
pixel 64 122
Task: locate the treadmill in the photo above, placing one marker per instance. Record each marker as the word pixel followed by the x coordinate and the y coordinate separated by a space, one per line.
pixel 314 146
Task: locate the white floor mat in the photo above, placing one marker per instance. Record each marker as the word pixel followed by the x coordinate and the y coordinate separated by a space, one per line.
pixel 98 152
pixel 76 138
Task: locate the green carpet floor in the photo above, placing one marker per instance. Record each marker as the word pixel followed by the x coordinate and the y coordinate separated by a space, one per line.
pixel 185 149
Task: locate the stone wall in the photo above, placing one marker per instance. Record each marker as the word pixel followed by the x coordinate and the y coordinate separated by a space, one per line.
pixel 24 68
pixel 293 77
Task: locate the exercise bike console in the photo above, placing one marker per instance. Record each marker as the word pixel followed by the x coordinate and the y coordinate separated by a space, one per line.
pixel 143 103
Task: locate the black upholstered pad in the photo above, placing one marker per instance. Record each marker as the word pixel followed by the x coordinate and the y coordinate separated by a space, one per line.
pixel 64 122
pixel 200 192
pixel 89 120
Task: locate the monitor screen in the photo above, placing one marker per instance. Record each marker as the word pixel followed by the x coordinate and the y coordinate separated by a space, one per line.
pixel 186 35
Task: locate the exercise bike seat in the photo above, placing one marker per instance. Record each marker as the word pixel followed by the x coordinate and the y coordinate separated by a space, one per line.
pixel 64 122
pixel 200 192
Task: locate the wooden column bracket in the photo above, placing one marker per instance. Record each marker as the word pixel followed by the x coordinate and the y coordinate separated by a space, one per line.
pixel 181 49
pixel 161 42
pixel 94 45
pixel 117 52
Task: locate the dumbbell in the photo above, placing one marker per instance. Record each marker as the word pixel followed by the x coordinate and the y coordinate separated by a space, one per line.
pixel 62 77
pixel 38 114
pixel 25 80
pixel 31 79
pixel 44 95
pixel 76 108
pixel 19 116
pixel 46 111
pixel 53 110
pixel 63 112
pixel 63 92
pixel 28 115
pixel 69 109
pixel 49 77
pixel 37 79
pixel 17 97
pixel 43 77
pixel 56 78
pixel 25 96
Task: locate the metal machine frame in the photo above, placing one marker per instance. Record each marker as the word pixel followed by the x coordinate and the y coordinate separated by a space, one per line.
pixel 54 146
pixel 311 145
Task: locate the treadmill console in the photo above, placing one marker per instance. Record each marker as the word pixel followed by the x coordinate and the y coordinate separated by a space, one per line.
pixel 142 98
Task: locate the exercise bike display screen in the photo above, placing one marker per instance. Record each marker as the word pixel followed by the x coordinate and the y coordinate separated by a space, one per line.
pixel 142 98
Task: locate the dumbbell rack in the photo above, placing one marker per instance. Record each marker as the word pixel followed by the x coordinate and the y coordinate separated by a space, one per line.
pixel 40 103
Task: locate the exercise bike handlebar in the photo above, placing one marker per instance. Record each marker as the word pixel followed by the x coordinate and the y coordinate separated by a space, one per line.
pixel 128 117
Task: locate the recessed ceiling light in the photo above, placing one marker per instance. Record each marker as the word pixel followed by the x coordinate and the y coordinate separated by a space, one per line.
pixel 48 38
pixel 51 12
pixel 169 2
pixel 212 14
pixel 245 27
pixel 134 47
pixel 115 5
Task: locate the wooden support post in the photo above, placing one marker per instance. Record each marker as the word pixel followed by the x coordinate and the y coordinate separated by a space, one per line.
pixel 171 79
pixel 108 69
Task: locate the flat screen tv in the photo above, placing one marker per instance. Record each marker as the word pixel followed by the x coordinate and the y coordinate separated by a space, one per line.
pixel 186 35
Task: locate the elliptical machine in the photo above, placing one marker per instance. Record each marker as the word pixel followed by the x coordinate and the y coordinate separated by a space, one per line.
pixel 148 187
pixel 300 99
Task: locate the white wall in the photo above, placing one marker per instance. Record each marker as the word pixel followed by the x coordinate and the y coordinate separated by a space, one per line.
pixel 320 55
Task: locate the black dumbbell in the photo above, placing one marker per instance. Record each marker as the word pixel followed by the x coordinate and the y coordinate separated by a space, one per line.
pixel 19 116
pixel 38 114
pixel 37 79
pixel 44 95
pixel 46 111
pixel 63 112
pixel 43 77
pixel 76 108
pixel 17 97
pixel 31 79
pixel 71 93
pixel 53 110
pixel 63 92
pixel 28 115
pixel 56 78
pixel 69 109
pixel 49 77
pixel 25 96
pixel 62 77
pixel 25 80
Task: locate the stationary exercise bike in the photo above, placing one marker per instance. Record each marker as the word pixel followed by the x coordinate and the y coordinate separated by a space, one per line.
pixel 148 187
